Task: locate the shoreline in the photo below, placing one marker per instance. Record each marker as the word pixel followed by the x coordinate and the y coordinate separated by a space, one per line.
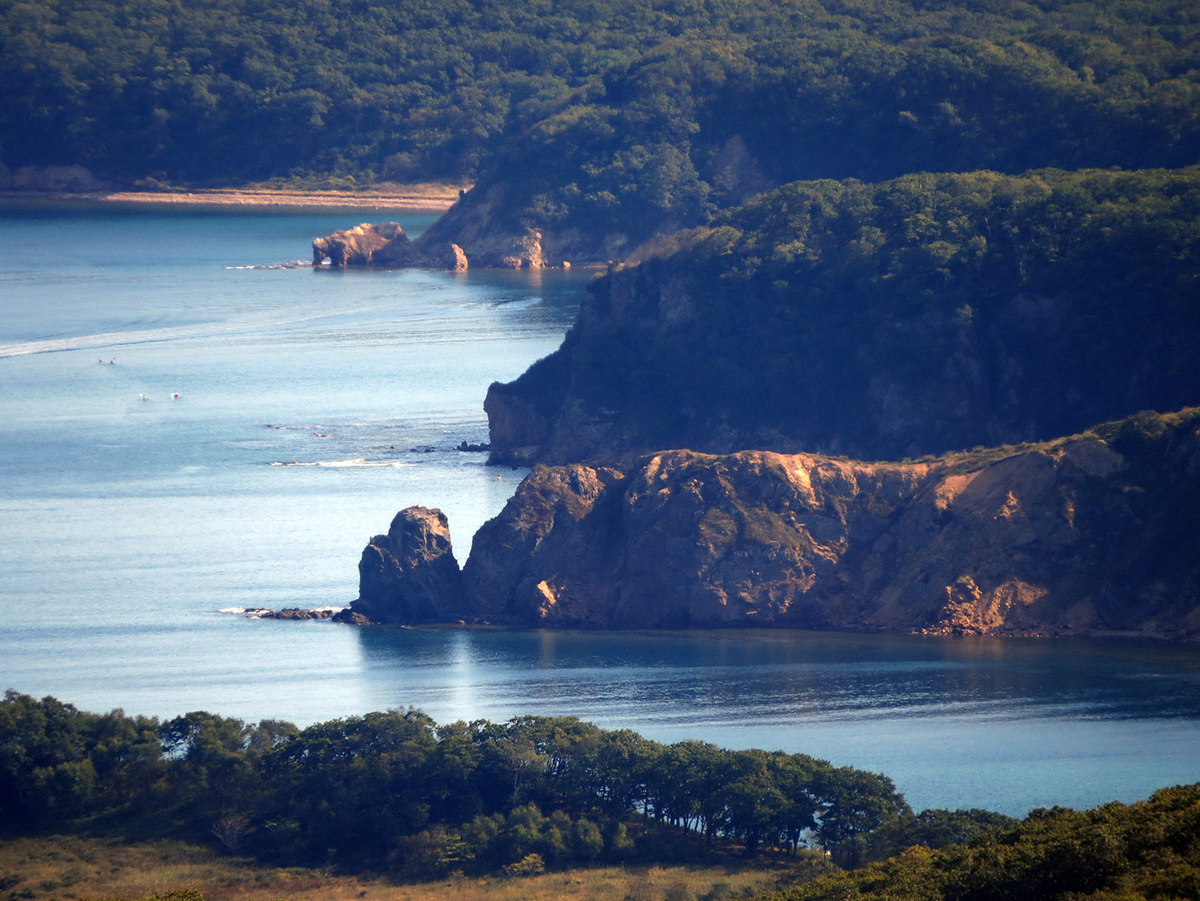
pixel 423 199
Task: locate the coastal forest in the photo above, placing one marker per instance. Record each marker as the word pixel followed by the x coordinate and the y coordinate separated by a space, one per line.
pixel 886 320
pixel 396 793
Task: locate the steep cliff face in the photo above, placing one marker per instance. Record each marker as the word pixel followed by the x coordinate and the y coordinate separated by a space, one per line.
pixel 1095 534
pixel 881 321
pixel 559 514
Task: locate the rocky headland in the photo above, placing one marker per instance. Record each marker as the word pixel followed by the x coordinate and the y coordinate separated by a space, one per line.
pixel 828 322
pixel 879 321
pixel 409 574
pixel 1094 534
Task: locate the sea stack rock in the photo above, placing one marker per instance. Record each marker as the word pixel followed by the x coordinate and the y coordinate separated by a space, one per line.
pixel 357 246
pixel 410 574
pixel 386 246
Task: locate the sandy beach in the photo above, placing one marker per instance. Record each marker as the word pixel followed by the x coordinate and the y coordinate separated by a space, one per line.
pixel 426 198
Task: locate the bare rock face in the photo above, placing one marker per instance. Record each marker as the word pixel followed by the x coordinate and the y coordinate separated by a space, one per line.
pixel 528 253
pixel 410 574
pixel 1094 534
pixel 689 540
pixel 357 246
pixel 386 246
pixel 1076 536
pixel 543 558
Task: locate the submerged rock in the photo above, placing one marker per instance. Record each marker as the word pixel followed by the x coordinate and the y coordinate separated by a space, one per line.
pixel 297 613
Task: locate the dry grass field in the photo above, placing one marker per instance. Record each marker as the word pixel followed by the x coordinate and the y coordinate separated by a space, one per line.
pixel 74 869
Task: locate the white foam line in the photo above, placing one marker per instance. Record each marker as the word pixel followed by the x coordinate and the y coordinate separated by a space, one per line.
pixel 171 333
pixel 356 463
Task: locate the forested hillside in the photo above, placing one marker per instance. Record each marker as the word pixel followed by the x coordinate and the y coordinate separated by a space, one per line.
pixel 1149 851
pixel 643 107
pixel 919 315
pixel 664 140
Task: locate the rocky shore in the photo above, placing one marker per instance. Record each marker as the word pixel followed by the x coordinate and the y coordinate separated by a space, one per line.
pixel 1095 534
pixel 287 613
pixel 385 245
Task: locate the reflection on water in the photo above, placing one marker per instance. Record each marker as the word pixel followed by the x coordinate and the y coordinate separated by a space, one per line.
pixel 792 675
pixel 1003 723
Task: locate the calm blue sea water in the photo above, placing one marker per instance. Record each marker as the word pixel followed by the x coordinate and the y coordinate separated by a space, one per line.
pixel 128 524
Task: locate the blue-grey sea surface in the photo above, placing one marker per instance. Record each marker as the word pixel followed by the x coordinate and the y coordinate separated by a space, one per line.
pixel 190 423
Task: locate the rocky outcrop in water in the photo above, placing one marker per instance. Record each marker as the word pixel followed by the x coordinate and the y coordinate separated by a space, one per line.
pixel 1097 534
pixel 385 246
pixel 410 574
pixel 357 246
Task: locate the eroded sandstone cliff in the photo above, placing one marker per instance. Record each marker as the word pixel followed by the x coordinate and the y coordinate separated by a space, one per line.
pixel 1099 533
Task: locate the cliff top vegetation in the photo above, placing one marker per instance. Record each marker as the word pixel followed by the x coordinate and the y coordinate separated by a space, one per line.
pixel 923 314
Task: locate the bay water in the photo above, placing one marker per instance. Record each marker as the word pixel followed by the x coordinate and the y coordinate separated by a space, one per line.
pixel 192 423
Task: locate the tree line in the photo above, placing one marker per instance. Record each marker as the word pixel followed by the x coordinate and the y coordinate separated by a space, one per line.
pixel 397 791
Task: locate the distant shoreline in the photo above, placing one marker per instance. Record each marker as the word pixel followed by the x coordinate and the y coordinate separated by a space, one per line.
pixel 435 199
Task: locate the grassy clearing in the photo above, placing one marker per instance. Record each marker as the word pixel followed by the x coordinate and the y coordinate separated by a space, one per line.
pixel 79 868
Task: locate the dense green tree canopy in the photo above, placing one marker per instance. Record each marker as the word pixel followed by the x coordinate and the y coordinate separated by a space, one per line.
pixel 229 90
pixel 395 790
pixel 1148 851
pixel 918 315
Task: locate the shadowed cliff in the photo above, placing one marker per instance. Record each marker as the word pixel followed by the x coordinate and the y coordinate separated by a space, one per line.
pixel 881 321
